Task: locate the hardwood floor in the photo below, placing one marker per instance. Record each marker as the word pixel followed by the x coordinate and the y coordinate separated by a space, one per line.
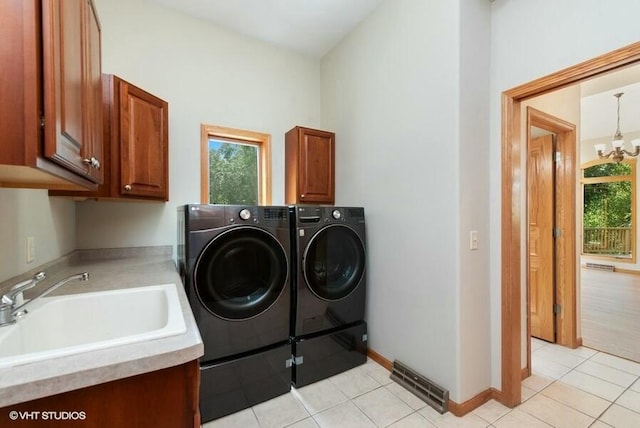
pixel 610 312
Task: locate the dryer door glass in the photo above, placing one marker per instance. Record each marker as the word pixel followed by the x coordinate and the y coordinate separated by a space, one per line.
pixel 241 273
pixel 333 262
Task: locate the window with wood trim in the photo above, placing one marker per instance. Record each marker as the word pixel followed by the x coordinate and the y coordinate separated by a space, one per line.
pixel 608 221
pixel 235 166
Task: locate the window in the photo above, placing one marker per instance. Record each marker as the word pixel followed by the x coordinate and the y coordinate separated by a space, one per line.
pixel 609 209
pixel 235 166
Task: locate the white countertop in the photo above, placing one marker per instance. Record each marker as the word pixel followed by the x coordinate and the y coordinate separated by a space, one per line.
pixel 108 270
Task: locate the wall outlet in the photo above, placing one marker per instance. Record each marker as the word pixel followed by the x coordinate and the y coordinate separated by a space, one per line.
pixel 31 249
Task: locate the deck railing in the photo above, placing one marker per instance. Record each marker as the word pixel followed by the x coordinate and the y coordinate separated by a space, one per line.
pixel 607 240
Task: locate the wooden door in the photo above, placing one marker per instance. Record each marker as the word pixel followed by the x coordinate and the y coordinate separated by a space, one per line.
pixel 540 237
pixel 143 143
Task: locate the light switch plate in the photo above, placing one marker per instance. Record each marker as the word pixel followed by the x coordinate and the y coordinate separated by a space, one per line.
pixel 31 249
pixel 473 240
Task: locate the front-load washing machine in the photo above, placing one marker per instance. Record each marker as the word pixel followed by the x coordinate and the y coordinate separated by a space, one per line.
pixel 329 277
pixel 235 264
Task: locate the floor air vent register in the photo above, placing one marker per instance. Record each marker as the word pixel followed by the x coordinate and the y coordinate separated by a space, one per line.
pixel 600 266
pixel 425 389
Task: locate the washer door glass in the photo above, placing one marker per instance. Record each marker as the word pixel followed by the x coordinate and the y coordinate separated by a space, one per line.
pixel 241 273
pixel 333 262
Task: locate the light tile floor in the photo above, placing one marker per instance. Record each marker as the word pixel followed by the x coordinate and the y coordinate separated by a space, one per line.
pixel 571 388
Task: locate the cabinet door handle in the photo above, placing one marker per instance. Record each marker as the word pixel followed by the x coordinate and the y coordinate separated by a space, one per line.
pixel 92 162
pixel 302 196
pixel 127 187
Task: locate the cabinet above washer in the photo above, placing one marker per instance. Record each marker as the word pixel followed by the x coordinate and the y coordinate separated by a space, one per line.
pixel 309 166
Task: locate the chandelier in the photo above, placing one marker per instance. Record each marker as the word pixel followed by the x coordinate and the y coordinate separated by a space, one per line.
pixel 618 152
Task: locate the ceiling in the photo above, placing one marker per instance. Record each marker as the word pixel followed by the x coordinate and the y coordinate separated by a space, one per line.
pixel 309 27
pixel 314 27
pixel 598 106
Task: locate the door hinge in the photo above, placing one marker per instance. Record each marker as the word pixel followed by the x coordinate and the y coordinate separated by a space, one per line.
pixel 557 233
pixel 41 121
pixel 557 308
pixel 557 157
pixel 294 361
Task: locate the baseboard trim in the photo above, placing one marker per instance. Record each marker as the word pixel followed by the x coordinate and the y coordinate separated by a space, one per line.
pixel 526 372
pixel 629 271
pixel 474 402
pixel 455 408
pixel 387 364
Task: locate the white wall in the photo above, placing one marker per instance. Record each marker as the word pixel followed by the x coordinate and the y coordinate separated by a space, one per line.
pixel 474 314
pixel 392 93
pixel 530 40
pixel 25 213
pixel 208 75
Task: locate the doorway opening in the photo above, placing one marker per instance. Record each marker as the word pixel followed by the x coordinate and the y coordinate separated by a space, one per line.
pixel 551 239
pixel 512 210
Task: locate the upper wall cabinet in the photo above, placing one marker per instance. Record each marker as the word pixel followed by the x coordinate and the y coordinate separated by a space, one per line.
pixel 51 103
pixel 136 144
pixel 309 166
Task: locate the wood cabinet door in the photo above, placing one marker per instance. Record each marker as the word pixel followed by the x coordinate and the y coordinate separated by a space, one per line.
pixel 93 147
pixel 316 166
pixel 72 86
pixel 163 398
pixel 63 79
pixel 143 143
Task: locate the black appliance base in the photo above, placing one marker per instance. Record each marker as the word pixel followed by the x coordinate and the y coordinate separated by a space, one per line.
pixel 329 354
pixel 238 384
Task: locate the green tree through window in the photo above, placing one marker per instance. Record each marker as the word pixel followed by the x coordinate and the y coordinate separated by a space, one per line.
pixel 233 173
pixel 608 209
pixel 235 166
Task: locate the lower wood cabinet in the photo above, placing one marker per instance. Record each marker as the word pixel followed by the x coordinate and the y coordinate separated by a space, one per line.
pixel 136 144
pixel 163 398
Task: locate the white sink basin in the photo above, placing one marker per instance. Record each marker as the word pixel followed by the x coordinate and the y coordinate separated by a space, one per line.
pixel 65 325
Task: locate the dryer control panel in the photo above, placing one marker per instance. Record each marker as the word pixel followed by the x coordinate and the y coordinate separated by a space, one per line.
pixel 306 215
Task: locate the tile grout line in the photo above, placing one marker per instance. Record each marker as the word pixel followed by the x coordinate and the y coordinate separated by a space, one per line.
pixel 611 403
pixel 616 368
pixel 620 405
pixel 532 415
pixel 362 410
pixel 554 380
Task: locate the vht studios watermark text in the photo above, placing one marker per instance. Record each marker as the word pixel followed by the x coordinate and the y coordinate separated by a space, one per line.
pixel 36 415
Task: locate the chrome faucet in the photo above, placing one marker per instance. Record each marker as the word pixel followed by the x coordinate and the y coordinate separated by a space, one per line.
pixel 14 296
pixel 11 304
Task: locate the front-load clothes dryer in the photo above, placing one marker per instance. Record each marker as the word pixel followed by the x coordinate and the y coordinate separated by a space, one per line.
pixel 235 265
pixel 330 268
pixel 235 261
